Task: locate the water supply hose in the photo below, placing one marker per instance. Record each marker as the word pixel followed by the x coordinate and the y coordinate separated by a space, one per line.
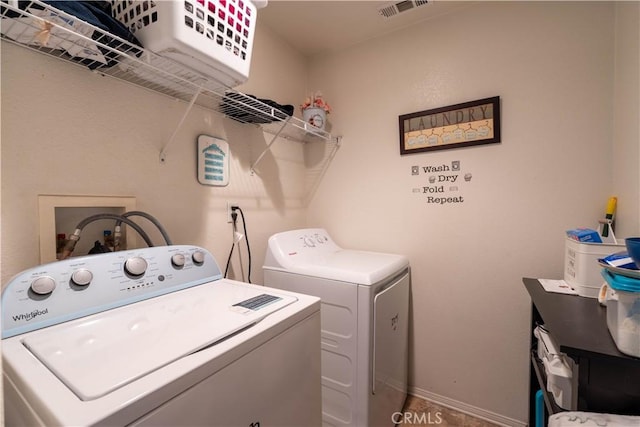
pixel 73 239
pixel 151 218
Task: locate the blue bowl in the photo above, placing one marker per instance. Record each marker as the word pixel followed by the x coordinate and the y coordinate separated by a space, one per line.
pixel 633 248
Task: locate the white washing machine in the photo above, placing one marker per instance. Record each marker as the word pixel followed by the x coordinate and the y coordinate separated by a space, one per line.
pixel 154 337
pixel 365 309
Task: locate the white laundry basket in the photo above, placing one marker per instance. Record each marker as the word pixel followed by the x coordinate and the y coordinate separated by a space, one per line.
pixel 214 37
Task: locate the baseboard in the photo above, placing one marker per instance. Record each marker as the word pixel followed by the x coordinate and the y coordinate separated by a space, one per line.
pixel 466 408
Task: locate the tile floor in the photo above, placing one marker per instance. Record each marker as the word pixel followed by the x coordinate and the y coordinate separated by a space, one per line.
pixel 419 412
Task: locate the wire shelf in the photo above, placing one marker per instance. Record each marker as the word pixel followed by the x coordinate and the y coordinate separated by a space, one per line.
pixel 40 27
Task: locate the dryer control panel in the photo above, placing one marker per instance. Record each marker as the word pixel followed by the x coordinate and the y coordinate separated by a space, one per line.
pixel 296 241
pixel 316 238
pixel 76 287
pixel 298 247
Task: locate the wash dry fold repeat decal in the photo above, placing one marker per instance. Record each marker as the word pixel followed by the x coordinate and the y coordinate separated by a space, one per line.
pixel 442 184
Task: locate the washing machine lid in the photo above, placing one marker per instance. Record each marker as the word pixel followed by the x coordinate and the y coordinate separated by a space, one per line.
pixel 98 354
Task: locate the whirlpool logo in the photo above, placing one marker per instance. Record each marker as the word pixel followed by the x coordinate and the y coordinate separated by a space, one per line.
pixel 30 316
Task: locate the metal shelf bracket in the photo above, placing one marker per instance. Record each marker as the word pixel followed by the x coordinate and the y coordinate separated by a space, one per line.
pixel 268 147
pixel 163 152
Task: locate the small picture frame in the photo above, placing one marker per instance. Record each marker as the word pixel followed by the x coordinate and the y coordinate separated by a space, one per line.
pixel 213 161
pixel 460 125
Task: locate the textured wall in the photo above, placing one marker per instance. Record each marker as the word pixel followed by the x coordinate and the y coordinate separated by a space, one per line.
pixel 552 65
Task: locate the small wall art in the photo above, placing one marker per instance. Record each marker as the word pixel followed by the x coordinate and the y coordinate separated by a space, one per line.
pixel 454 126
pixel 213 161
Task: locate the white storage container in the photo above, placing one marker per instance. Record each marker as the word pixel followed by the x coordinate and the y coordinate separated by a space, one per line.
pixel 581 268
pixel 623 312
pixel 214 37
pixel 560 370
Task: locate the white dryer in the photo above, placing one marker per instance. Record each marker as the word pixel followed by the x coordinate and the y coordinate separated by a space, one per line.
pixel 154 337
pixel 365 310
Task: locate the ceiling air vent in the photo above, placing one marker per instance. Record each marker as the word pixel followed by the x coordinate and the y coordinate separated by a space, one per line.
pixel 396 8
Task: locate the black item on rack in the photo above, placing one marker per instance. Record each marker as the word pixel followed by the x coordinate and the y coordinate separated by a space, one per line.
pixel 95 13
pixel 98 248
pixel 250 109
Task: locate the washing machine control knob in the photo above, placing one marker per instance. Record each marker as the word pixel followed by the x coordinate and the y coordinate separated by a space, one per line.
pixel 135 266
pixel 198 257
pixel 43 285
pixel 178 260
pixel 308 241
pixel 82 277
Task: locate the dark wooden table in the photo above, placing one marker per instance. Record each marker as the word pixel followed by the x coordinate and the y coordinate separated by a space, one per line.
pixel 608 380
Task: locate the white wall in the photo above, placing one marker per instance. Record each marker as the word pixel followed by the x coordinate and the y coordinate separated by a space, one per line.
pixel 626 111
pixel 66 130
pixel 552 64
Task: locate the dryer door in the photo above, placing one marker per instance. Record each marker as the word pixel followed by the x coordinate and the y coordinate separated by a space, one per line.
pixel 390 345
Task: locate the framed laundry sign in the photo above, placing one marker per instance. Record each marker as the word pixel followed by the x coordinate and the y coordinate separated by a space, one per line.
pixel 454 126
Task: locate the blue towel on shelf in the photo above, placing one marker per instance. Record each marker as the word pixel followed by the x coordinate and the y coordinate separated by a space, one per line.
pixel 98 14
